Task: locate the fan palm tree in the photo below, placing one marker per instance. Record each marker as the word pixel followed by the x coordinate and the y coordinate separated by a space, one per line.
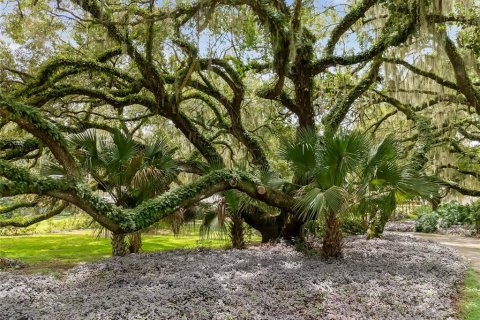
pixel 346 172
pixel 128 171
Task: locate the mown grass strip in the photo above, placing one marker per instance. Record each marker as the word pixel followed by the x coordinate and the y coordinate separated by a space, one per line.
pixel 469 304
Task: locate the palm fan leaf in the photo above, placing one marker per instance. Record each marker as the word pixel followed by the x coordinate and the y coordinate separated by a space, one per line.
pixel 300 152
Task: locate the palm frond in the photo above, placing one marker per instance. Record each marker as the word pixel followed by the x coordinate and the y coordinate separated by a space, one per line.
pixel 418 184
pixel 339 155
pixel 50 167
pixel 385 151
pixel 316 202
pixel 300 152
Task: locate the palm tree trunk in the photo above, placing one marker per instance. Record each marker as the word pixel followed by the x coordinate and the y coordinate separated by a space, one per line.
pixel 237 232
pixel 375 230
pixel 332 241
pixel 119 246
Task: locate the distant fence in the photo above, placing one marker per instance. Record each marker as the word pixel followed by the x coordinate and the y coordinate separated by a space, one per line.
pixel 409 207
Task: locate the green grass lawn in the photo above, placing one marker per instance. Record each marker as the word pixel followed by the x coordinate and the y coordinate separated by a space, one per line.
pixel 62 251
pixel 469 304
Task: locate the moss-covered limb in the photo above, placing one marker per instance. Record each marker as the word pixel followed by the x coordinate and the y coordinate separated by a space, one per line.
pixel 70 90
pixel 209 103
pixel 334 118
pixel 464 191
pixel 426 74
pixel 456 148
pixel 406 110
pixel 16 149
pixel 396 31
pixel 456 99
pixel 30 120
pixel 21 181
pixel 13 111
pixel 210 90
pixel 6 144
pixel 356 12
pixel 109 54
pixel 23 204
pixel 464 82
pixel 253 146
pixel 233 108
pixel 36 88
pixel 77 66
pixel 237 87
pixel 423 144
pixel 126 220
pixel 226 71
pixel 83 126
pixel 462 171
pixel 39 187
pixel 438 18
pixel 236 127
pixel 277 21
pixel 284 98
pixel 425 132
pixel 105 213
pixel 22 222
pixel 25 77
pixel 208 151
pixel 183 77
pixel 153 79
pixel 468 135
pixel 374 127
pixel 150 34
pixel 153 210
pixel 194 167
pixel 75 115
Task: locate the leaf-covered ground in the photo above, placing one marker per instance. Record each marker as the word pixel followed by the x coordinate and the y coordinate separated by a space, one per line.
pixel 397 277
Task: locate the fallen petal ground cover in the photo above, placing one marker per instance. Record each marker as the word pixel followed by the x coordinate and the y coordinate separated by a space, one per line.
pixel 397 277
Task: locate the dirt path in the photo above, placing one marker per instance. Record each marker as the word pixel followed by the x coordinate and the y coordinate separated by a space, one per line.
pixel 468 247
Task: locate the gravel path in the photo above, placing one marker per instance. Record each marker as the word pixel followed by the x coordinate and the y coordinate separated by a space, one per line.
pixel 468 247
pixel 398 277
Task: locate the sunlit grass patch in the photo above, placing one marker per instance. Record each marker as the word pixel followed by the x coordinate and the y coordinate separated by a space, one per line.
pixel 469 304
pixel 61 251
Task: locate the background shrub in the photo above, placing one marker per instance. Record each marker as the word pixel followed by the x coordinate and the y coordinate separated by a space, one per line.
pixel 427 222
pixel 448 215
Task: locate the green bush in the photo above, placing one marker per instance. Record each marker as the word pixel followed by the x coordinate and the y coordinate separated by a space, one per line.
pixel 427 222
pixel 453 213
pixel 447 215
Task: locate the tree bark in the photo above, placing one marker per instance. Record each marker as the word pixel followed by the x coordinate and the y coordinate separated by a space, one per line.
pixel 237 232
pixel 135 242
pixel 269 226
pixel 293 229
pixel 332 241
pixel 119 246
pixel 376 225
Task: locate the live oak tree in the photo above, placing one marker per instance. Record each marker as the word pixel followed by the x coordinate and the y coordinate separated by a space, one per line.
pixel 432 96
pixel 224 79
